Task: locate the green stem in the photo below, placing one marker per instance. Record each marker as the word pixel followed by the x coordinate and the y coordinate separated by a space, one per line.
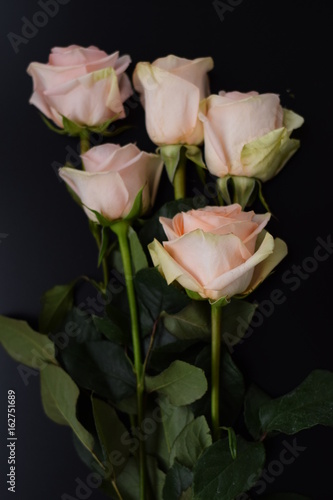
pixel 121 230
pixel 179 181
pixel 96 234
pixel 216 357
pixel 84 142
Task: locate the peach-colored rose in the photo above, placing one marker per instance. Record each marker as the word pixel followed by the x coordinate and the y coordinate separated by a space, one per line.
pixel 247 134
pixel 84 84
pixel 113 177
pixel 217 251
pixel 171 90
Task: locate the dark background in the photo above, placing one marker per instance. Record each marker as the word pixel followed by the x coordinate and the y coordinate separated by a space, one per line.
pixel 276 46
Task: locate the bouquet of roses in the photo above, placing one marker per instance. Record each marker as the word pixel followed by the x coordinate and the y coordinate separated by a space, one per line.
pixel 145 378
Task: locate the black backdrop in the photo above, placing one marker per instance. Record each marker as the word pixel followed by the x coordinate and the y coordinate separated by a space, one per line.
pixel 276 46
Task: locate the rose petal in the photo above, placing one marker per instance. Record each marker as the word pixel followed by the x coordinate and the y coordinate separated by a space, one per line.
pixel 263 269
pixel 238 279
pixel 171 106
pixel 104 192
pixel 170 268
pixel 206 255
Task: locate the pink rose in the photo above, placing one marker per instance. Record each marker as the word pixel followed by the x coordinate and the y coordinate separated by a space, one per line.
pixel 83 84
pixel 217 251
pixel 113 177
pixel 248 134
pixel 171 90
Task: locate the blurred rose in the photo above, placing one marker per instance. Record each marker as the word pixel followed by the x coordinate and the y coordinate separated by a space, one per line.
pixel 84 84
pixel 171 89
pixel 248 134
pixel 217 251
pixel 113 177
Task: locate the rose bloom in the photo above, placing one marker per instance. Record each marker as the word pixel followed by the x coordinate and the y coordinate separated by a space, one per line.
pixel 171 89
pixel 112 179
pixel 247 134
pixel 84 84
pixel 217 251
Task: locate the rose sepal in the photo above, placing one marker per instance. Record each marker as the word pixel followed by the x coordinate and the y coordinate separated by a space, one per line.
pixel 171 155
pixel 240 189
pixel 221 302
pixel 74 129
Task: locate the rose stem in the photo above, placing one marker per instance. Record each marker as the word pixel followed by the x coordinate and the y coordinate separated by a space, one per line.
pixel 179 181
pixel 121 230
pixel 84 142
pixel 96 234
pixel 216 356
pixel 84 147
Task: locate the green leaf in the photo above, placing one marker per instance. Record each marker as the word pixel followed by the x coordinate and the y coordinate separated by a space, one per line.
pixel 156 478
pixel 59 397
pixel 111 431
pixel 155 441
pixel 139 259
pixel 24 344
pixel 284 496
pixel 86 456
pixel 311 403
pixel 254 399
pixel 162 356
pixel 128 481
pixel 217 475
pixel 236 319
pixel 84 331
pixel 128 405
pixel 170 155
pixel 112 330
pixel 136 209
pixel 174 419
pixel 192 322
pixel 181 382
pixel 52 127
pixel 56 303
pixel 102 367
pixel 154 295
pixel 178 480
pixel 232 388
pixel 187 495
pixel 191 442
